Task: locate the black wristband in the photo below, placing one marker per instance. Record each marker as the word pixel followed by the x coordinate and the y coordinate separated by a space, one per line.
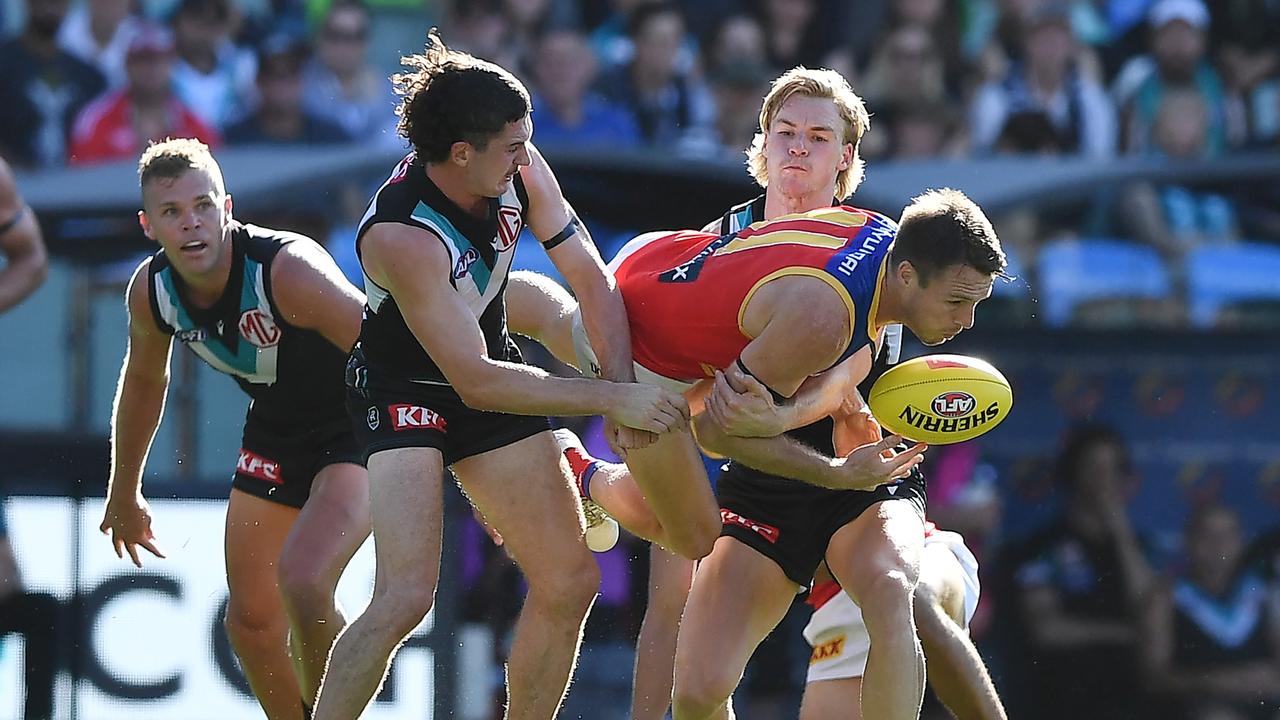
pixel 565 234
pixel 777 396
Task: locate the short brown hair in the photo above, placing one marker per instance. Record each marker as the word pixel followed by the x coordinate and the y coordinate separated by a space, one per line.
pixel 819 83
pixel 449 96
pixel 941 228
pixel 173 157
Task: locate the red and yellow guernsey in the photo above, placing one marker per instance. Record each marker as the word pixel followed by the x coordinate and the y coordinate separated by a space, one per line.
pixel 686 291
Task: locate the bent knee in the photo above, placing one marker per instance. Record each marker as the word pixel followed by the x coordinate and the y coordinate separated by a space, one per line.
pixel 698 694
pixel 305 583
pixel 244 621
pixel 569 587
pixel 696 542
pixel 401 609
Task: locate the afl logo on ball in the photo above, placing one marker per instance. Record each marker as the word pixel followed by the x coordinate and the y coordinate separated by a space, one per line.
pixel 259 329
pixel 953 404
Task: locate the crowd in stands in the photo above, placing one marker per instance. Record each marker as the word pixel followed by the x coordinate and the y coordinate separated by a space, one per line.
pixel 1172 80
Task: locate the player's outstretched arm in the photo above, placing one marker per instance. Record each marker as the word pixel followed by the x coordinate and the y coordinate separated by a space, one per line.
pixel 411 264
pixel 135 415
pixel 313 294
pixel 571 249
pixel 26 260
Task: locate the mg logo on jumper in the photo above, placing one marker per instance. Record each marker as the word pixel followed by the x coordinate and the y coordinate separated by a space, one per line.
pixel 953 404
pixel 259 329
pixel 509 225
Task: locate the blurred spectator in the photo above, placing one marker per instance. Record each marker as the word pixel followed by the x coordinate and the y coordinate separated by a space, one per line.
pixel 280 117
pixel 737 41
pixel 36 617
pixel 1175 218
pixel 1211 641
pixel 42 88
pixel 120 124
pixel 941 20
pixel 528 20
pixel 98 32
pixel 738 90
pixel 342 87
pixel 1244 33
pixel 1078 586
pixel 565 110
pixel 672 108
pixel 1177 61
pixel 906 69
pixel 212 75
pixel 479 27
pixel 798 35
pixel 1047 81
pixel 611 37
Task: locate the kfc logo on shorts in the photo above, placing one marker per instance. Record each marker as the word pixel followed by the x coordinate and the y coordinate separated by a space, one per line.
pixel 415 417
pixel 953 404
pixel 831 649
pixel 465 261
pixel 259 328
pixel 509 225
pixel 256 466
pixel 768 532
pixel 373 419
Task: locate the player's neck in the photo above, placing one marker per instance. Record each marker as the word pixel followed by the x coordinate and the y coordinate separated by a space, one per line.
pixel 453 184
pixel 206 289
pixel 778 204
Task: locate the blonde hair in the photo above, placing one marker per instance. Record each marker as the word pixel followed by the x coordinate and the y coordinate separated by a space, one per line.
pixel 173 157
pixel 820 83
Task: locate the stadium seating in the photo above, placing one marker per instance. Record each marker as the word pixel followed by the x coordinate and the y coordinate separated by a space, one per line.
pixel 1073 272
pixel 1219 276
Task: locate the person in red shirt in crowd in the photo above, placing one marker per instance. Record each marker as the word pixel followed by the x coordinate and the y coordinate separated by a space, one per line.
pixel 120 123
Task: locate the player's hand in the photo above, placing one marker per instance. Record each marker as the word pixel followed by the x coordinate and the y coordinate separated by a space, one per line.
pixel 855 429
pixel 868 467
pixel 743 407
pixel 622 438
pixel 128 523
pixel 649 408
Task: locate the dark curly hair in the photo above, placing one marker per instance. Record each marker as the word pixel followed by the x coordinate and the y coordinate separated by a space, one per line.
pixel 449 96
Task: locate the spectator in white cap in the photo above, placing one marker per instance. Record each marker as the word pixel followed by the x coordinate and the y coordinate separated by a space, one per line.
pixel 1178 44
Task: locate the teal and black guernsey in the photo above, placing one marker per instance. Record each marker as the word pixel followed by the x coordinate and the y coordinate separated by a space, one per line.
pixel 294 376
pixel 480 252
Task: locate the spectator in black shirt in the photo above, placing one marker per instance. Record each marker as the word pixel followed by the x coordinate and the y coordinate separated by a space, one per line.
pixel 281 117
pixel 42 89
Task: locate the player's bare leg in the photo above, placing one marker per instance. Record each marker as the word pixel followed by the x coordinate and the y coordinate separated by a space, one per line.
pixel 670 577
pixel 328 531
pixel 255 621
pixel 723 625
pixel 827 699
pixel 406 508
pixel 956 671
pixel 540 308
pixel 669 473
pixel 524 493
pixel 876 559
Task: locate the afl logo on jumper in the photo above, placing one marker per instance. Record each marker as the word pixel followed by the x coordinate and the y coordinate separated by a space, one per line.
pixel 508 228
pixel 465 261
pixel 373 419
pixel 259 329
pixel 953 404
